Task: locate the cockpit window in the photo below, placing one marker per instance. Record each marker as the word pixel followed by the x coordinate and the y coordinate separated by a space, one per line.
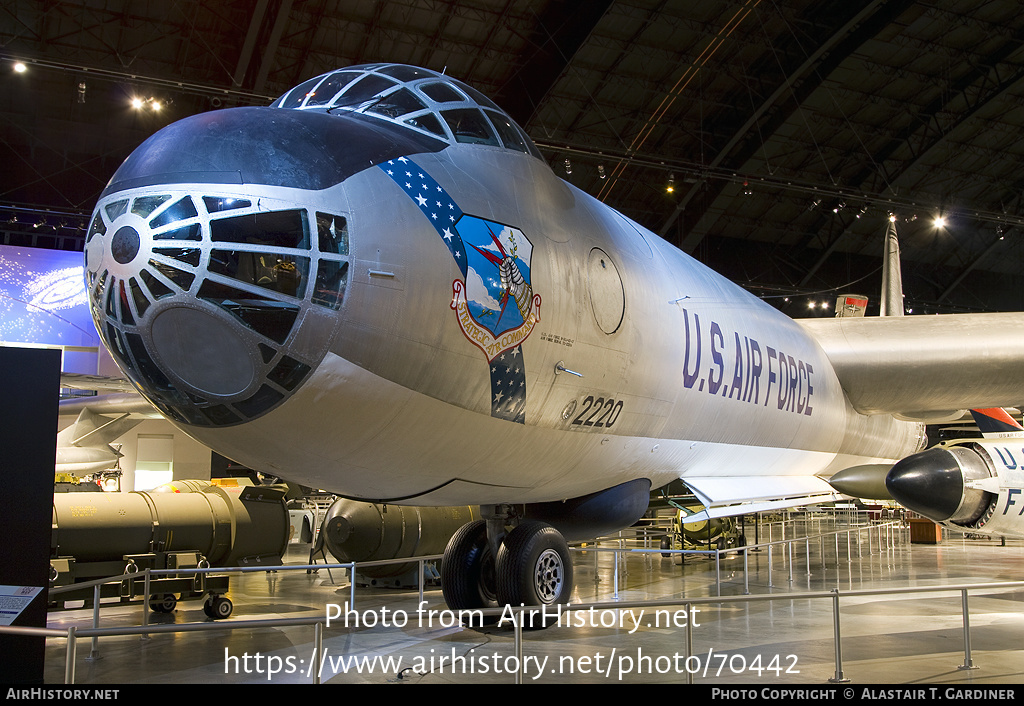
pixel 327 90
pixel 428 122
pixel 401 102
pixel 507 131
pixel 364 90
pixel 442 93
pixel 470 125
pixel 416 98
pixel 298 94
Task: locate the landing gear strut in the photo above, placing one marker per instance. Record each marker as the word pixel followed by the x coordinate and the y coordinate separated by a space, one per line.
pixel 484 567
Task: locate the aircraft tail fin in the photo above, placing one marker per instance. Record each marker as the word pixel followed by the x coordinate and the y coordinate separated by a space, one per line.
pixel 95 430
pixel 892 278
pixel 995 423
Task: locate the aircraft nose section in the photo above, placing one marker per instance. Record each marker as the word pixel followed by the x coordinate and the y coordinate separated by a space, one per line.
pixel 216 301
pixel 930 483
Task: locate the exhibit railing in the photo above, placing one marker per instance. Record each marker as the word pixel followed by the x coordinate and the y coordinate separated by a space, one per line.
pixel 885 535
pixel 693 665
pixel 880 537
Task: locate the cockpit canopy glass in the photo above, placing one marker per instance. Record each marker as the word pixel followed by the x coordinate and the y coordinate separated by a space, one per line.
pixel 416 98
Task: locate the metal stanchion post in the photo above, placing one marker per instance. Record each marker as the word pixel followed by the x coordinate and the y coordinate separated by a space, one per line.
pixel 718 571
pixel 318 650
pixel 689 645
pixel 94 652
pixel 69 657
pixel 519 646
pixel 145 604
pixel 968 662
pixel 616 572
pixel 838 678
pixel 352 585
pixel 422 570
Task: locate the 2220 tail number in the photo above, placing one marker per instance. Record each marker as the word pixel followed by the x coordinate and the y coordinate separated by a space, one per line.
pixel 598 413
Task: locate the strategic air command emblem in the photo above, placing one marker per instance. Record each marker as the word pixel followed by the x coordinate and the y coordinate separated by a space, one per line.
pixel 494 301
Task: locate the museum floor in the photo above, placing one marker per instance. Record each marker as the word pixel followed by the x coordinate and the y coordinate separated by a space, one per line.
pixel 907 639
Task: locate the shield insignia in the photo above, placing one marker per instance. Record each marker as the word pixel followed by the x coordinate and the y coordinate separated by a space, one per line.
pixel 494 301
pixel 496 305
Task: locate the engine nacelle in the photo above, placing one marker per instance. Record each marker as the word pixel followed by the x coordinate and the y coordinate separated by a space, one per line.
pixel 969 486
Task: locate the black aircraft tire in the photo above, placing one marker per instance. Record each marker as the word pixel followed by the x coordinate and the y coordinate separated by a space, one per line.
pixel 163 603
pixel 467 569
pixel 218 607
pixel 534 567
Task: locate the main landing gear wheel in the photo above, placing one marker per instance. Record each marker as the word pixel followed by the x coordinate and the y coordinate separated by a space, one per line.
pixel 534 567
pixel 467 570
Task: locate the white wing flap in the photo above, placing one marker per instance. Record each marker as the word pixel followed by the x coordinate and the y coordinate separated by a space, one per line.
pixel 724 496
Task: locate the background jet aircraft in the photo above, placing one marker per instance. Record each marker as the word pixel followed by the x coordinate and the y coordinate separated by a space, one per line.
pixel 968 485
pixel 84 447
pixel 376 286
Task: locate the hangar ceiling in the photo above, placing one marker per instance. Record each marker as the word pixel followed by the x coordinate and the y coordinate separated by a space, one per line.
pixel 790 130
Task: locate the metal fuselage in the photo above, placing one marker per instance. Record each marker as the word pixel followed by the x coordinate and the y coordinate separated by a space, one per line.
pixel 415 383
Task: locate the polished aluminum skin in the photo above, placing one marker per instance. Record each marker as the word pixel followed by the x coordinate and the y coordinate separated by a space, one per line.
pixel 427 314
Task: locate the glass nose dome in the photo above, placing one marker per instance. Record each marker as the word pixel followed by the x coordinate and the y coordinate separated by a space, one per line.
pixel 415 98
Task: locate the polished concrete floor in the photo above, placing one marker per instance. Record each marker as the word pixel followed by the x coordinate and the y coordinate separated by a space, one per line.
pixel 906 639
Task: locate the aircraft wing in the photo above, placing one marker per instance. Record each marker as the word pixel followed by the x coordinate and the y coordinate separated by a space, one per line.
pixel 926 368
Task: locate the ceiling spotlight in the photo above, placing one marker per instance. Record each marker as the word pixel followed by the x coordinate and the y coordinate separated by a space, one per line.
pixel 600 171
pixel 747 191
pixel 940 222
pixel 137 103
pixel 814 204
pixel 155 105
pixel 671 186
pixel 999 232
pixel 81 92
pixel 892 217
pixel 568 166
pixel 862 211
pixel 19 67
